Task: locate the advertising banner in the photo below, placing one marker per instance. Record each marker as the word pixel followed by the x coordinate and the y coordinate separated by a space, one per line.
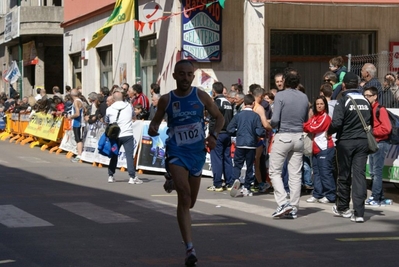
pixel 45 126
pixel 201 32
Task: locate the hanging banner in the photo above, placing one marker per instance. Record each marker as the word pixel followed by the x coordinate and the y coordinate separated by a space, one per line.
pixel 29 54
pixel 202 32
pixel 11 25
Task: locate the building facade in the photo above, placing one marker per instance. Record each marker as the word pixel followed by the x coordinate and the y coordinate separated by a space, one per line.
pixel 30 34
pixel 258 39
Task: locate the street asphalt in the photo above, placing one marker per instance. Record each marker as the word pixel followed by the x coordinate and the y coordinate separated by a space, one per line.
pixel 57 213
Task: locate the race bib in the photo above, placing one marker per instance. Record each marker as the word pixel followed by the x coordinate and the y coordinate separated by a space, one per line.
pixel 188 134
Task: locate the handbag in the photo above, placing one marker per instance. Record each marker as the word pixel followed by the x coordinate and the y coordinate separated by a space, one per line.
pixel 371 142
pixel 307 144
pixel 113 130
pixel 107 147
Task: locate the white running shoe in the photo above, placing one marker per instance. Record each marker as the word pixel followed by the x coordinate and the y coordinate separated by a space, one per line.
pixel 111 179
pixel 135 180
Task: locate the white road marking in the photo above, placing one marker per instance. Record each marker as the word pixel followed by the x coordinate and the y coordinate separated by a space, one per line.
pixel 95 213
pixel 14 217
pixel 33 160
pixel 170 209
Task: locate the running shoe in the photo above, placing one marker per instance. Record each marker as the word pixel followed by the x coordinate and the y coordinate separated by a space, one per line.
pixel 283 209
pixel 191 257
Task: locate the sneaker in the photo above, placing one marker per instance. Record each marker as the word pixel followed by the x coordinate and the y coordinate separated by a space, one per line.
pixel 191 257
pixel 386 201
pixel 169 186
pixel 374 203
pixel 235 190
pixel 135 180
pixel 324 200
pixel 246 193
pixel 369 200
pixel 255 188
pixel 312 199
pixel 228 188
pixel 215 189
pixel 263 187
pixel 75 159
pixel 292 214
pixel 346 214
pixel 357 219
pixel 111 179
pixel 283 209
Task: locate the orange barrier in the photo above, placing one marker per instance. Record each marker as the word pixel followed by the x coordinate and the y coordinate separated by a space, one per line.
pixel 8 131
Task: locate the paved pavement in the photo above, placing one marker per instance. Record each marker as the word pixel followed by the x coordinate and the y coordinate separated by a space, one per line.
pixel 57 213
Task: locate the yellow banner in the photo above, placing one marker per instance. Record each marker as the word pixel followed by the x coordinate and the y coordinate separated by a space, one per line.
pixel 45 126
pixel 123 12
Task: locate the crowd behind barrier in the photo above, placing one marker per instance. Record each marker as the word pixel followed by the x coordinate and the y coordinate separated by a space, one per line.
pixel 53 133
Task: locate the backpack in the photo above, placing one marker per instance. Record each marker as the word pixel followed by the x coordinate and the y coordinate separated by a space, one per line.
pixel 394 119
pixel 112 131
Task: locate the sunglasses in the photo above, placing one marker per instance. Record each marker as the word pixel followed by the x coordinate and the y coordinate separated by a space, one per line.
pixel 367 96
pixel 327 80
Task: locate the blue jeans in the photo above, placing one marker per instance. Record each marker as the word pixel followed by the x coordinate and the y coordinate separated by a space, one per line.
pixel 241 155
pixel 376 163
pixel 285 176
pixel 128 145
pixel 323 178
pixel 307 172
pixel 221 161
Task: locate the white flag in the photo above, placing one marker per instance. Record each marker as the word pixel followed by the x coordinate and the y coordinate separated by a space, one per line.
pixel 13 74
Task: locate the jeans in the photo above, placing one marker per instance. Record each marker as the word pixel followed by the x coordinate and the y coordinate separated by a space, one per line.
pixel 307 172
pixel 128 145
pixel 376 163
pixel 285 176
pixel 324 183
pixel 352 158
pixel 241 155
pixel 287 146
pixel 221 161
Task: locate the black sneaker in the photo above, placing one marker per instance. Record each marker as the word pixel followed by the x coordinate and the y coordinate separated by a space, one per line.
pixel 283 209
pixel 191 258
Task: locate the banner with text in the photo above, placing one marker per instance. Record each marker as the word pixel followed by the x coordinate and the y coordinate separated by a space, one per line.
pixel 201 32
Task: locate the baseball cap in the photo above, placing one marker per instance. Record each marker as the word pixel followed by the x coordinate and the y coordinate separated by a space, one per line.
pixel 351 79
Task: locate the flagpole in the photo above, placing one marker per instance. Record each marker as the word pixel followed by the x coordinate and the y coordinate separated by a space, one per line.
pixel 20 66
pixel 137 44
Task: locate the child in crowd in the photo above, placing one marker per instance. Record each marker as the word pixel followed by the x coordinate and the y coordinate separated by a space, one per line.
pixel 337 66
pixel 141 114
pixel 247 127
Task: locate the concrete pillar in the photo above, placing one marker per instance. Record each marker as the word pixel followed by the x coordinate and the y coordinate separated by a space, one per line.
pixel 254 44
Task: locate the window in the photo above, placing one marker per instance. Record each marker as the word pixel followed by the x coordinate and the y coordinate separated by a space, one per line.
pixel 320 43
pixel 106 78
pixel 149 69
pixel 57 2
pixel 76 71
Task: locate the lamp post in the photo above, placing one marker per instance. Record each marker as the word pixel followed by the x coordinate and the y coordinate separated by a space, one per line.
pixel 137 44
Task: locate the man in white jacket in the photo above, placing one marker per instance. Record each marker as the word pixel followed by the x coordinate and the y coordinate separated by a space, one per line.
pixel 126 138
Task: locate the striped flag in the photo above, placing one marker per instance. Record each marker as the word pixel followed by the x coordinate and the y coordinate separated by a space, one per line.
pixel 123 12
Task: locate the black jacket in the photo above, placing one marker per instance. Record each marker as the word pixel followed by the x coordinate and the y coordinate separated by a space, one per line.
pixel 227 111
pixel 346 122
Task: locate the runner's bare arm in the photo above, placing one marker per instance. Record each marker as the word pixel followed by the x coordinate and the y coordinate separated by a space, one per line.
pixel 159 114
pixel 265 123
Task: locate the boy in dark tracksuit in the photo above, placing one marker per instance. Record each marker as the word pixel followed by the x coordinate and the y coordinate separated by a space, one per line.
pixel 247 127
